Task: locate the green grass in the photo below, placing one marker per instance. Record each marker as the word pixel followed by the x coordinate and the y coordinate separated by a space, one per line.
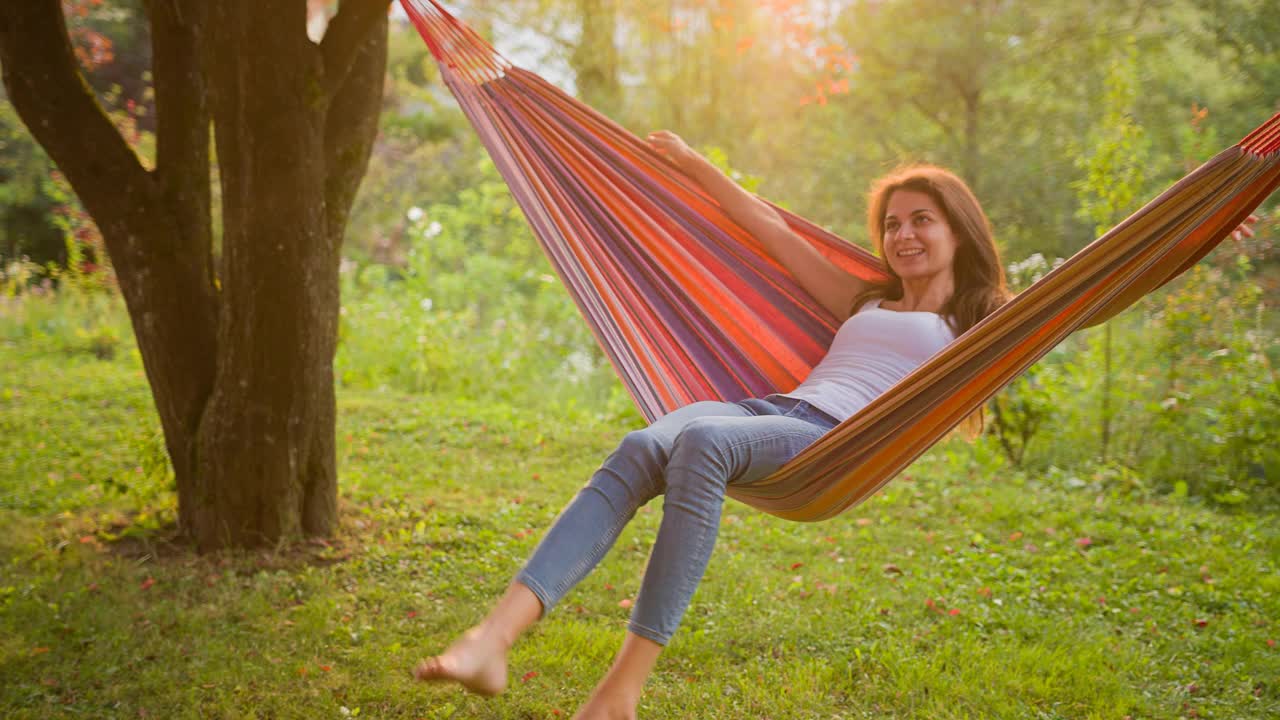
pixel 1166 612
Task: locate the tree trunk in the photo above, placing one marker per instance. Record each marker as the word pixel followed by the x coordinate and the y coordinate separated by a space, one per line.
pixel 239 357
pixel 266 467
pixel 595 58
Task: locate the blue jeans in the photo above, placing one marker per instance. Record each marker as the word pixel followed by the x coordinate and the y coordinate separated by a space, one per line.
pixel 691 455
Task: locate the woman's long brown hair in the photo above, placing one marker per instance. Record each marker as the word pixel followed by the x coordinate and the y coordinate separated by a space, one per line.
pixel 979 276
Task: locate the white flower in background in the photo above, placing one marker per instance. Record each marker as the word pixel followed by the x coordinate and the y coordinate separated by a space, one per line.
pixel 425 304
pixel 346 265
pixel 1033 262
pixel 415 214
pixel 432 230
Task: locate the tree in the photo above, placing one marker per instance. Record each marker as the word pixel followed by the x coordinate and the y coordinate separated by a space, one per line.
pixel 1118 153
pixel 595 58
pixel 237 337
pixel 997 91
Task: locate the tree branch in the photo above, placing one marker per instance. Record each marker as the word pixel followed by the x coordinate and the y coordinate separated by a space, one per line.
pixel 349 30
pixel 178 31
pixel 351 124
pixel 45 86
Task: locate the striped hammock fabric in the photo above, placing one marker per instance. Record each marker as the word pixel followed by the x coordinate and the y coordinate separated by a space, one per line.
pixel 689 307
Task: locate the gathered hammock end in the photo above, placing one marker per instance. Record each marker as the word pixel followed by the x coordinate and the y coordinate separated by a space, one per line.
pixel 687 306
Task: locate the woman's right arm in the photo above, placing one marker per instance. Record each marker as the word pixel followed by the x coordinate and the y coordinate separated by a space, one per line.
pixel 831 286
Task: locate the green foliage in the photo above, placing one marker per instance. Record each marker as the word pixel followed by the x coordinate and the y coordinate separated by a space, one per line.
pixel 476 310
pixel 1194 402
pixel 26 227
pixel 1176 396
pixel 40 217
pixel 1116 151
pixel 78 318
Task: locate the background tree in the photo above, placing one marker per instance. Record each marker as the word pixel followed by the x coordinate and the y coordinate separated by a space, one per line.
pixel 237 337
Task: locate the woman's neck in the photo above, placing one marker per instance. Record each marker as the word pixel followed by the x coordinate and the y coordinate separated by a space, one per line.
pixel 926 295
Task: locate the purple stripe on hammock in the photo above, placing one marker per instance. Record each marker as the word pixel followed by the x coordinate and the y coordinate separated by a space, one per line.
pixel 610 172
pixel 640 270
pixel 656 406
pixel 570 272
pixel 779 289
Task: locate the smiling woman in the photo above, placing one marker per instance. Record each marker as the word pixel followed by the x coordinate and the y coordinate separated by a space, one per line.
pixel 937 247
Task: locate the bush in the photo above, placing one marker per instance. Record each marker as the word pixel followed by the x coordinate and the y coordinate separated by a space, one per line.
pixel 476 311
pixel 1195 397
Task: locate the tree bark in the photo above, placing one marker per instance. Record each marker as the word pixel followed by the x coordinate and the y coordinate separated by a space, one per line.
pixel 238 350
pixel 292 143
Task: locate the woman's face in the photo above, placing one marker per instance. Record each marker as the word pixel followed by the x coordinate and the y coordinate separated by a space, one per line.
pixel 918 242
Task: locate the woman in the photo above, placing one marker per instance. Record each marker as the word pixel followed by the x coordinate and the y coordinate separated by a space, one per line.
pixel 946 276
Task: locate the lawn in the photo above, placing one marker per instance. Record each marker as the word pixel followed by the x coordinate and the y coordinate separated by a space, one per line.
pixel 964 589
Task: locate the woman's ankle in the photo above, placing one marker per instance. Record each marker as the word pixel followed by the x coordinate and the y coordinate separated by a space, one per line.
pixel 511 616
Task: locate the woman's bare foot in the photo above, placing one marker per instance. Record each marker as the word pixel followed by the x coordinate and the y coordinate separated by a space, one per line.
pixel 606 705
pixel 477 661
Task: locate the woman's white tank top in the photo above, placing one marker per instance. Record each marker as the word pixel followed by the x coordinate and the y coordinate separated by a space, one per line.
pixel 873 350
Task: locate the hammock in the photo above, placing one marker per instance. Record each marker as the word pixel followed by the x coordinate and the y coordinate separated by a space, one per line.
pixel 687 306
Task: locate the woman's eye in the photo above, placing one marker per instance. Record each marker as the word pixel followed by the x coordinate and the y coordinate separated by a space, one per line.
pixel 923 219
pixel 891 227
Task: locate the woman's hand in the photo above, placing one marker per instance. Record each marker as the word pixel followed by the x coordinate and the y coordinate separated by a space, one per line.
pixel 1245 230
pixel 670 146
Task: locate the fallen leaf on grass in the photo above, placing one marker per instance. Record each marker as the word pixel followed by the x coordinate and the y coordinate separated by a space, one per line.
pixel 529 676
pixel 936 607
pixel 147 583
pixel 624 603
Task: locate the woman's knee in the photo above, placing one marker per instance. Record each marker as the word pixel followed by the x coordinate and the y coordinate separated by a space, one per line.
pixel 643 446
pixel 637 465
pixel 700 434
pixel 697 454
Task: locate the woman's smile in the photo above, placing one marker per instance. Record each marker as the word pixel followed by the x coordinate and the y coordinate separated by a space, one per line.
pixel 918 242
